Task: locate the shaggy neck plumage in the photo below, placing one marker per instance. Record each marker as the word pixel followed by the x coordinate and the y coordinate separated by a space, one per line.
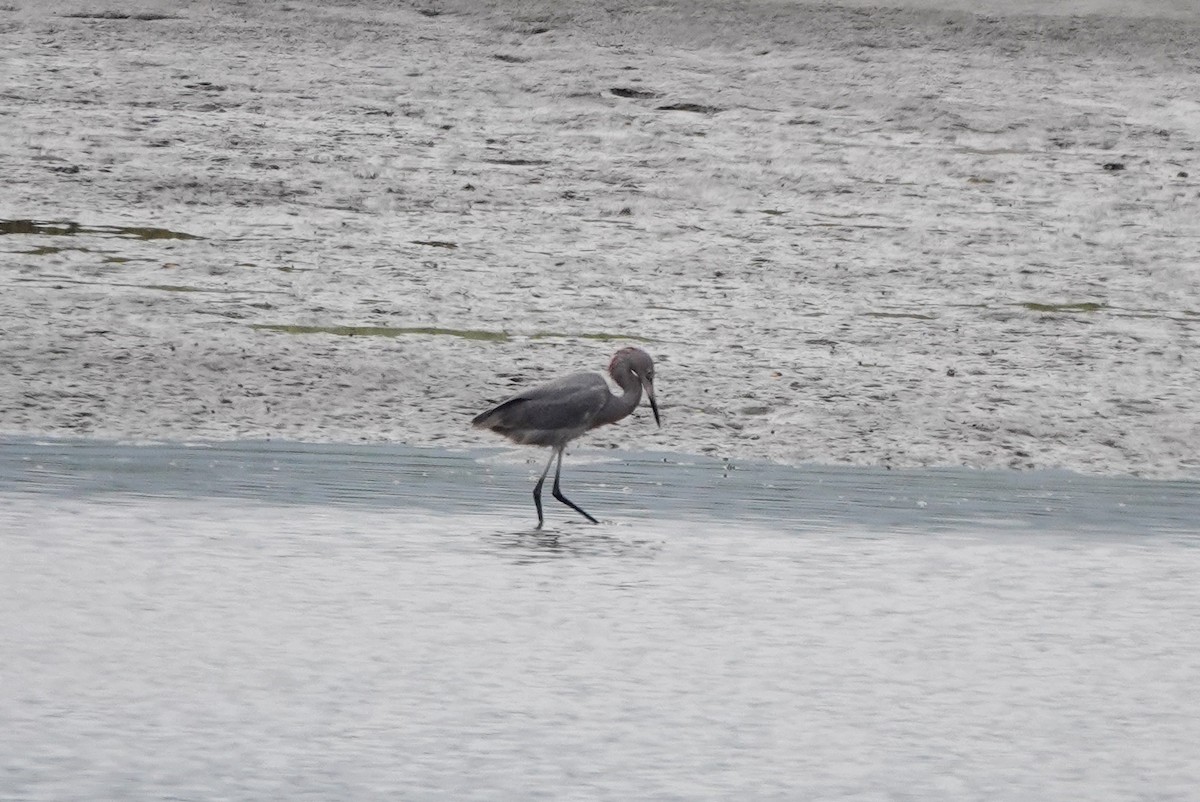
pixel 619 406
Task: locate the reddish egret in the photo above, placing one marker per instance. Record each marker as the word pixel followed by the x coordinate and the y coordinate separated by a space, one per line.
pixel 556 413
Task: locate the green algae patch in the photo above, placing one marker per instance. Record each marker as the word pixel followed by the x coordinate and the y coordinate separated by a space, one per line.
pixel 1084 306
pixel 601 336
pixel 38 227
pixel 142 232
pixel 382 331
pixel 146 16
pixel 68 228
pixel 173 288
pixel 908 315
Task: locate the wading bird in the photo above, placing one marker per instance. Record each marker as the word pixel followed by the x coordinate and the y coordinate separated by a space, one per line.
pixel 554 414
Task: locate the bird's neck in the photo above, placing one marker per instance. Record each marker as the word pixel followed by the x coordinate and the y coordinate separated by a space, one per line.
pixel 619 406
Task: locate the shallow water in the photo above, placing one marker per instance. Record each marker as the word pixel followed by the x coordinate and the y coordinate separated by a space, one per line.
pixel 332 622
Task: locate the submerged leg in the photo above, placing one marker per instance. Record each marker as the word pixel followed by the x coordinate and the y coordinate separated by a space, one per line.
pixel 537 489
pixel 558 493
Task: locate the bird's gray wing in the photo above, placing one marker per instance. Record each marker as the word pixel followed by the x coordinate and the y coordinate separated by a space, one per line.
pixel 566 406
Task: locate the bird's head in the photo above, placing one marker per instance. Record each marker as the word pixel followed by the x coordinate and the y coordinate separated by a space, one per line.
pixel 639 363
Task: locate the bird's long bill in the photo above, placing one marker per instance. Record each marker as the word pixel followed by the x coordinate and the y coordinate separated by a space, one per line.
pixel 653 404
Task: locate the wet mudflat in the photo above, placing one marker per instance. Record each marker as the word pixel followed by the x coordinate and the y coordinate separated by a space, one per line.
pixel 904 236
pixel 299 621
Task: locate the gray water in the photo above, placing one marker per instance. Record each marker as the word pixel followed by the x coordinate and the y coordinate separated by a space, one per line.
pixel 287 621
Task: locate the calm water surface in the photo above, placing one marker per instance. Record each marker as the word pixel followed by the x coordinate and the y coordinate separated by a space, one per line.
pixel 336 622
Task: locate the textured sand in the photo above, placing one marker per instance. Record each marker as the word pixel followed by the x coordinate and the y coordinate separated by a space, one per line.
pixel 899 237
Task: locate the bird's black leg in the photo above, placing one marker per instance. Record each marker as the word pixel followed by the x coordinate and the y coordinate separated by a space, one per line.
pixel 537 489
pixel 558 493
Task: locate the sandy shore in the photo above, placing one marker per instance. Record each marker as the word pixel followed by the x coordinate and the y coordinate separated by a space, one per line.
pixel 898 237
